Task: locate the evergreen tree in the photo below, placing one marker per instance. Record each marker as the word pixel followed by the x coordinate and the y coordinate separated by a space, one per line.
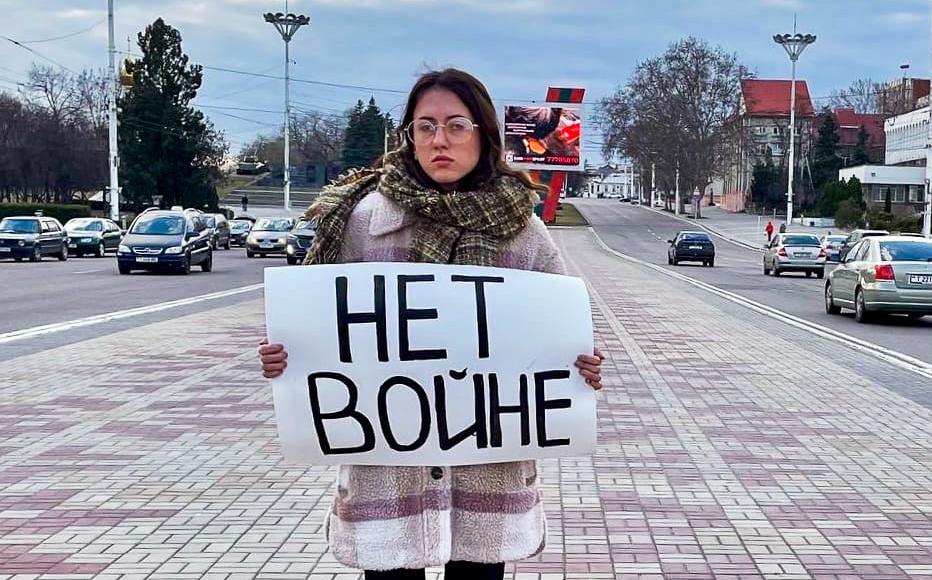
pixel 167 148
pixel 766 184
pixel 825 161
pixel 365 135
pixel 860 155
pixel 887 202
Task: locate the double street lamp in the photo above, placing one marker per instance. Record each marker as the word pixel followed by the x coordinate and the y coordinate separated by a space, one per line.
pixel 287 25
pixel 794 44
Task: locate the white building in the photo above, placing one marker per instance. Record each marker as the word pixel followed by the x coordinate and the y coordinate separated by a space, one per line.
pixel 611 181
pixel 906 138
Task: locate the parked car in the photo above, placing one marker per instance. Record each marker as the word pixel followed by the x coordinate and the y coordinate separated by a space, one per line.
pixel 92 236
pixel 691 247
pixel 299 240
pixel 855 237
pixel 795 253
pixel 32 237
pixel 219 230
pixel 239 229
pixel 166 240
pixel 268 236
pixel 832 244
pixel 889 274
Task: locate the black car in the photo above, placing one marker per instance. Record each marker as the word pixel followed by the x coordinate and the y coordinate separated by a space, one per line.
pixel 691 247
pixel 299 240
pixel 166 240
pixel 92 236
pixel 239 229
pixel 219 230
pixel 32 237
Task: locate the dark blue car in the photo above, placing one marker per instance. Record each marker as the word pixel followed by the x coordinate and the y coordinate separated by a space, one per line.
pixel 166 240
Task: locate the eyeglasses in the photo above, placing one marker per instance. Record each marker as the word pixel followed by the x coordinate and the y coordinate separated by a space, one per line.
pixel 458 130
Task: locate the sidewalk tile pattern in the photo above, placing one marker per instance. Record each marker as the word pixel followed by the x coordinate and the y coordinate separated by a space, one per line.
pixel 152 453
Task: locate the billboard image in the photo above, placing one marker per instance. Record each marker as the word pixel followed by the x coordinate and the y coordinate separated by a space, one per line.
pixel 543 137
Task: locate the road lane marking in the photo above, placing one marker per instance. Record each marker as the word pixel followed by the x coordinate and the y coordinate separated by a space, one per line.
pixel 35 331
pixel 901 360
pixel 88 271
pixel 714 232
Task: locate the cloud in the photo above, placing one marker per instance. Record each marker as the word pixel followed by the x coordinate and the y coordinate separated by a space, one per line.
pixel 905 19
pixel 79 14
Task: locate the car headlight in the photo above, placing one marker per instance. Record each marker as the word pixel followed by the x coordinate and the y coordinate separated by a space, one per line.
pixel 124 249
pixel 174 250
pixel 290 249
pixel 251 239
pixel 281 240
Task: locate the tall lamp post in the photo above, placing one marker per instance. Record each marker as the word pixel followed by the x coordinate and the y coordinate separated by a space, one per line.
pixel 113 86
pixel 794 44
pixel 287 25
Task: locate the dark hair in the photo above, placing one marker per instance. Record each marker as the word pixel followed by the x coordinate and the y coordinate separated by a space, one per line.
pixel 476 98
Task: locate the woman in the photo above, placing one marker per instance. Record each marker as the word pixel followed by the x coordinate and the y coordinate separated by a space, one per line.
pixel 445 196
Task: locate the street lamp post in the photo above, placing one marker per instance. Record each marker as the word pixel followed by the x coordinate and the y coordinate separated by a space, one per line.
pixel 287 25
pixel 113 86
pixel 794 44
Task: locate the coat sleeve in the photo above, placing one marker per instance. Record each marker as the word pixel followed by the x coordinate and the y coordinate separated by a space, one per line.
pixel 544 256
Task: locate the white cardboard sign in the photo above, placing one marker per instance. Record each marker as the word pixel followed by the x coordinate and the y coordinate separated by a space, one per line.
pixel 427 364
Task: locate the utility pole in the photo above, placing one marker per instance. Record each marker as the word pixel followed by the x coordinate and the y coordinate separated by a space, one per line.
pixel 677 212
pixel 287 25
pixel 794 44
pixel 114 82
pixel 653 181
pixel 927 209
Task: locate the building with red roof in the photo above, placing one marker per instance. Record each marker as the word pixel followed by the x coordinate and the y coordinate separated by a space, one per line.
pixel 849 127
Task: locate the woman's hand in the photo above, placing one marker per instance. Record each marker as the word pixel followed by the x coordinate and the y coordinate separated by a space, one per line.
pixel 274 359
pixel 590 367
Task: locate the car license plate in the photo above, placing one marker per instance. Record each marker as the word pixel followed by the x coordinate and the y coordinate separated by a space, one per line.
pixel 72 245
pixel 802 255
pixel 695 247
pixel 921 279
pixel 147 259
pixel 6 250
pixel 265 245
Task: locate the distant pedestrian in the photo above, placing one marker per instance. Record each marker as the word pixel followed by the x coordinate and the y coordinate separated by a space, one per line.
pixel 783 228
pixel 769 230
pixel 245 203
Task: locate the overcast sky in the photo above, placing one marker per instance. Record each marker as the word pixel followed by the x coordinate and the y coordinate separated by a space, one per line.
pixel 517 47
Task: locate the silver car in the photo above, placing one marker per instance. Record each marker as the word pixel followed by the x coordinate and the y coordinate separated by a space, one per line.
pixel 795 253
pixel 889 274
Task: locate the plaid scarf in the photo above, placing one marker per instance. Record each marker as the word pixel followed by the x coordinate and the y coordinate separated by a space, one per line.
pixel 452 228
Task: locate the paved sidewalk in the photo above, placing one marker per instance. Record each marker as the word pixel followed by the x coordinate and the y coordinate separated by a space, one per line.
pixel 715 461
pixel 746 229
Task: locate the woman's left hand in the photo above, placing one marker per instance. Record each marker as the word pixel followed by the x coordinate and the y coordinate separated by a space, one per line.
pixel 590 367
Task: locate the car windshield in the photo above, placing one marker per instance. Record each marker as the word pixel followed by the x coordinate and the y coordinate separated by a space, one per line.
pixel 239 226
pixel 835 239
pixel 159 225
pixel 273 225
pixel 696 237
pixel 906 251
pixel 305 225
pixel 19 226
pixel 210 221
pixel 801 241
pixel 84 225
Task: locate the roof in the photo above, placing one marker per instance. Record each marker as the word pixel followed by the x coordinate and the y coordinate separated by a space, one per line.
pixel 771 98
pixel 850 123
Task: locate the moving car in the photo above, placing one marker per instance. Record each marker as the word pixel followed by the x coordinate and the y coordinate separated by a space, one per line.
pixel 691 247
pixel 268 236
pixel 219 230
pixel 855 237
pixel 239 229
pixel 795 253
pixel 832 244
pixel 32 237
pixel 166 240
pixel 92 236
pixel 888 274
pixel 299 240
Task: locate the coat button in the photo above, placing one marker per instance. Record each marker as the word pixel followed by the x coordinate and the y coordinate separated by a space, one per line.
pixel 436 472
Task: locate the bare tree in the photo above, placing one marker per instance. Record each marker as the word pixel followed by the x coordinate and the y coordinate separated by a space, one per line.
pixel 862 95
pixel 673 112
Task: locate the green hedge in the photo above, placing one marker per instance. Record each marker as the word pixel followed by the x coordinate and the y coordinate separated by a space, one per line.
pixel 61 212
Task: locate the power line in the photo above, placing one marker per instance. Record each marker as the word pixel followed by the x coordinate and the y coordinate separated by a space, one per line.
pixel 42 56
pixel 54 38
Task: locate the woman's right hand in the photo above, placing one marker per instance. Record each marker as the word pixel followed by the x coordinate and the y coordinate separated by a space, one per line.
pixel 274 358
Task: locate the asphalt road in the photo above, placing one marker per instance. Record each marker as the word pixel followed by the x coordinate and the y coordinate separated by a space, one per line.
pixel 50 291
pixel 643 234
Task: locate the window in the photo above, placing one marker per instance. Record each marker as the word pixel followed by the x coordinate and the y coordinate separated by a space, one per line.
pixel 877 193
pixel 775 131
pixel 863 250
pixel 899 194
pixel 761 130
pixel 906 251
pixel 915 193
pixel 45 227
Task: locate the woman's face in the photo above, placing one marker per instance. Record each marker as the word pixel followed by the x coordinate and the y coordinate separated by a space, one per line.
pixel 445 160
